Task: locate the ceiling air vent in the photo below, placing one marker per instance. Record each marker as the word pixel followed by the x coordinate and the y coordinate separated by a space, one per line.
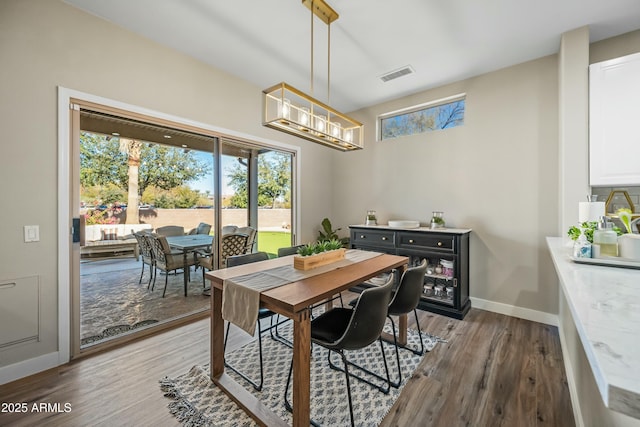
pixel 397 73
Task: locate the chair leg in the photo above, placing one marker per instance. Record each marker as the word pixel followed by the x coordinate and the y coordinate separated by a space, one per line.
pixel 276 336
pixel 257 386
pixel 415 312
pixel 383 388
pixel 287 405
pixel 155 276
pixel 395 344
pixel 141 273
pixel 166 281
pixel 346 375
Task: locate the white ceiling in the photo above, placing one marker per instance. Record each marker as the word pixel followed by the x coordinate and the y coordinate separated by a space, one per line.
pixel 268 41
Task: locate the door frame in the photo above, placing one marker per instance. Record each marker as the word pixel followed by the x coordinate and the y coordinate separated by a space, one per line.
pixel 67 264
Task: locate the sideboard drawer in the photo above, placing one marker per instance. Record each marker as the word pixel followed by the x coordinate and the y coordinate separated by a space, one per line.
pixel 373 238
pixel 425 241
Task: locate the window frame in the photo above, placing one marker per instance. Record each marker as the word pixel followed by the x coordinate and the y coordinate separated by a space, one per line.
pixel 415 108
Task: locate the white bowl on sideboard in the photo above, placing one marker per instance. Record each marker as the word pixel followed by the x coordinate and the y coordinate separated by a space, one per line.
pixel 397 223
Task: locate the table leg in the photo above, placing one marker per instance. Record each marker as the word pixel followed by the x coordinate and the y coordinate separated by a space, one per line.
pixel 301 369
pixel 185 270
pixel 217 333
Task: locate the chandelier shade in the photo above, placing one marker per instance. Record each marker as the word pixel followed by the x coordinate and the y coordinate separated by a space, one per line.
pixel 290 110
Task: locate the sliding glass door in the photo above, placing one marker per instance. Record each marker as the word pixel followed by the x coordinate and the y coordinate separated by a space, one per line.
pixel 138 174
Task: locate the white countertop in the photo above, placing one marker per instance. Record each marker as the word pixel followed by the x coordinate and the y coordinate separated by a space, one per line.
pixel 421 229
pixel 605 305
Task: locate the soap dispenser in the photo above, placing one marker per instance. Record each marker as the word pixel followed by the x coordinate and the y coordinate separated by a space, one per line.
pixel 606 238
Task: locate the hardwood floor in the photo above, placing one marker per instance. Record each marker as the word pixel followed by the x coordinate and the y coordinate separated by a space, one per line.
pixel 494 370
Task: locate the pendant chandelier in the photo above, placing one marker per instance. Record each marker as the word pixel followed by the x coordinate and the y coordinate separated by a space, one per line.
pixel 290 110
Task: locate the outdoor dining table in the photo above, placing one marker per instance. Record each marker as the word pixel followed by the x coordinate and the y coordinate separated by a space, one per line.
pixel 186 244
pixel 292 300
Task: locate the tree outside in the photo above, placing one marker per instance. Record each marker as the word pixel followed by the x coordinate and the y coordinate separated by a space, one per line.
pixel 274 182
pixel 113 170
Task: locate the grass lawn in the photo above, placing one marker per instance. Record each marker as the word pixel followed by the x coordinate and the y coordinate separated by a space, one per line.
pixel 270 241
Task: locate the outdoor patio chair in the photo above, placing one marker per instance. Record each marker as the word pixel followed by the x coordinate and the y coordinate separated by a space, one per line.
pixel 232 244
pixel 170 230
pixel 147 255
pixel 166 259
pixel 252 233
pixel 202 228
pixel 229 229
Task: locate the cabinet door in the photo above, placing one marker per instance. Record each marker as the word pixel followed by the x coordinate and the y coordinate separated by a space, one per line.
pixel 614 128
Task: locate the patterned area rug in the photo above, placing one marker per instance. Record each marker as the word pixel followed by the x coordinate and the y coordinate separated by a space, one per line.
pixel 196 401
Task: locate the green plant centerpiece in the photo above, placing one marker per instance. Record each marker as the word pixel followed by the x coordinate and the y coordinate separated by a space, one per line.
pixel 329 248
pixel 319 247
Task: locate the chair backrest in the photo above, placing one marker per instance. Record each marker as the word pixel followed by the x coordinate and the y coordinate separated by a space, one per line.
pixel 251 232
pixel 232 261
pixel 409 290
pixel 368 317
pixel 170 230
pixel 144 245
pixel 202 228
pixel 229 229
pixel 233 244
pixel 291 250
pixel 158 250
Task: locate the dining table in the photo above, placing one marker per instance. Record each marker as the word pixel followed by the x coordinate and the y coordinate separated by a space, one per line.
pixel 293 300
pixel 186 244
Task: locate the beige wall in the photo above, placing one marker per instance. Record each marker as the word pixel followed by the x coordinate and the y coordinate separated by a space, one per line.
pixel 46 44
pixel 496 174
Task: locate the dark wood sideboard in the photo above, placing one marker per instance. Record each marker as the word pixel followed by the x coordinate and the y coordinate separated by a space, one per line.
pixel 445 293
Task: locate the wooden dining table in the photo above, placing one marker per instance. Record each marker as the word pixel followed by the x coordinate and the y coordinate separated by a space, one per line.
pixel 293 301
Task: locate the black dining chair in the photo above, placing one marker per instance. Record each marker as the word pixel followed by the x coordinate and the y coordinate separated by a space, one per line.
pixel 342 329
pixel 263 313
pixel 405 299
pixel 289 250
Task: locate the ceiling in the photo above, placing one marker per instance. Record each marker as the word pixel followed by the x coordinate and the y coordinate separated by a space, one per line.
pixel 268 41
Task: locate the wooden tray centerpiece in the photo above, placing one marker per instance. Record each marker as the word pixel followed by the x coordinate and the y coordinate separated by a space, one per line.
pixel 314 255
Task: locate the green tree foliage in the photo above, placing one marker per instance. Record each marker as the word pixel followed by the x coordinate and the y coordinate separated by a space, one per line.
pixel 102 163
pixel 274 181
pixel 175 198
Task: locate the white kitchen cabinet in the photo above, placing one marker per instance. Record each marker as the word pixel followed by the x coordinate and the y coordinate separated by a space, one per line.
pixel 614 122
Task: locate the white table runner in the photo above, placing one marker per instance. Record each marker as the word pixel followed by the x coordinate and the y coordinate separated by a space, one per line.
pixel 241 295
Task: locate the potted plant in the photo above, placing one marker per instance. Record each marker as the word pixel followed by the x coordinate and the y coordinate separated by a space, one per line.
pixel 320 253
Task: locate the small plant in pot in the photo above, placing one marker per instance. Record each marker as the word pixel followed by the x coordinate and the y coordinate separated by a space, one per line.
pixel 319 247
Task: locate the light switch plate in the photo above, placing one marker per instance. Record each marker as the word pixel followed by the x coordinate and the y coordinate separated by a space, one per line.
pixel 31 233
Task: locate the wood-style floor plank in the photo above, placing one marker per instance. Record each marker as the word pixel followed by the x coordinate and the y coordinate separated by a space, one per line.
pixel 494 370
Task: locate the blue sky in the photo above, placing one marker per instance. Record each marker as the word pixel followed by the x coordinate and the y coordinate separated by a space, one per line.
pixel 206 183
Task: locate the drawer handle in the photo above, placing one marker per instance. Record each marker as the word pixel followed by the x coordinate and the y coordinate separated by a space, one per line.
pixel 439 243
pixel 411 241
pixel 385 238
pixel 362 236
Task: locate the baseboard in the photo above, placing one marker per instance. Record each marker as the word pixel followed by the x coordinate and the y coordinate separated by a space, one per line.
pixel 519 312
pixel 571 381
pixel 28 367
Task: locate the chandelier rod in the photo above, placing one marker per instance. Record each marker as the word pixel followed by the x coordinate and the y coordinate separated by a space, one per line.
pixel 311 9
